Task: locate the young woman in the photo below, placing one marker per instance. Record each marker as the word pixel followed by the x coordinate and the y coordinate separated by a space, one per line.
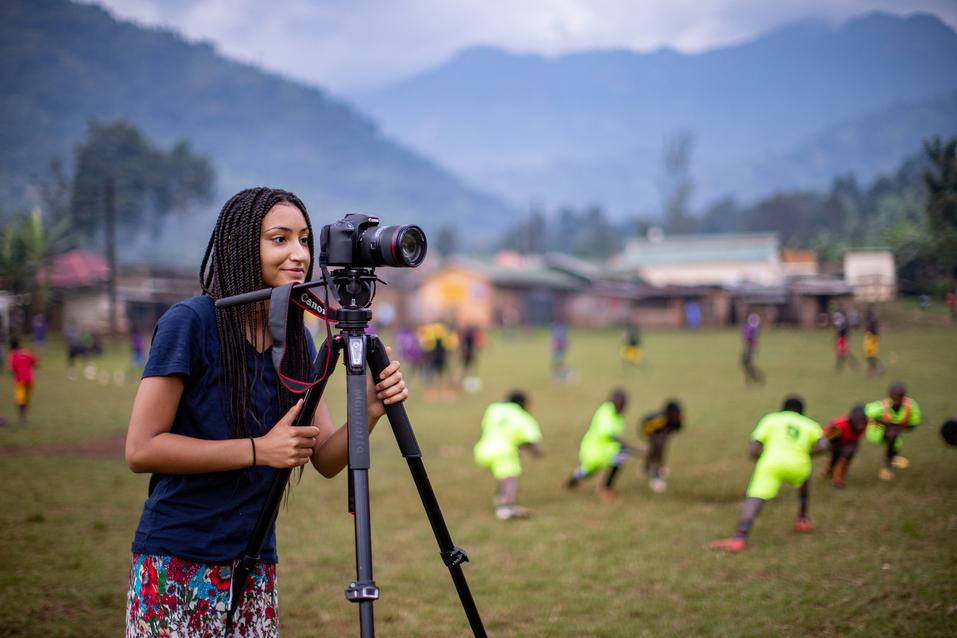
pixel 212 423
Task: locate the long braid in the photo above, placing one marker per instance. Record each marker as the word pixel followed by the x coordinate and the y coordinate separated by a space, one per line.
pixel 232 266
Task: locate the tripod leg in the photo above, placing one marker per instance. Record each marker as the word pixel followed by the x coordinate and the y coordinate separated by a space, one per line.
pixel 363 591
pixel 452 556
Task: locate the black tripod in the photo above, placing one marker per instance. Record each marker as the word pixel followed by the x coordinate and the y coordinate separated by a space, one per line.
pixel 354 288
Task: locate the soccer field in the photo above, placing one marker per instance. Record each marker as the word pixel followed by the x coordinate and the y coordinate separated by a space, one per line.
pixel 882 561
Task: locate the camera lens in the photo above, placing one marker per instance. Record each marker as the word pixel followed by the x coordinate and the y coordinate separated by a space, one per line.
pixel 398 246
pixel 411 245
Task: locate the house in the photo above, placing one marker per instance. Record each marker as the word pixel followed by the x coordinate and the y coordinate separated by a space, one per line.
pixel 538 290
pixel 872 274
pixel 723 259
pixel 79 296
pixel 799 263
pixel 481 293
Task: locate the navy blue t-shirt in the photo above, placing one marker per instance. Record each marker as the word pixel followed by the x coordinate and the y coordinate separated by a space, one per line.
pixel 207 518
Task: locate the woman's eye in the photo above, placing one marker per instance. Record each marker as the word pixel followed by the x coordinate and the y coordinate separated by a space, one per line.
pixel 279 239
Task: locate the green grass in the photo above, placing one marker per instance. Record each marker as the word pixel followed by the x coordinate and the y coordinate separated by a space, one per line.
pixel 882 562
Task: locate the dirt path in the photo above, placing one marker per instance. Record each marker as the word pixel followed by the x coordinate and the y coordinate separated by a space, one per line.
pixel 110 447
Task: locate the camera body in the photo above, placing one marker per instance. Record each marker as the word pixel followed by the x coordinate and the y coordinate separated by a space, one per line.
pixel 358 241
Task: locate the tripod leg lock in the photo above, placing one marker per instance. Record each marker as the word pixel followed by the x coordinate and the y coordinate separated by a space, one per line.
pixel 362 592
pixel 454 556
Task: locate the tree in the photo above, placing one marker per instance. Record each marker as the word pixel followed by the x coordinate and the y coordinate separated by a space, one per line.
pixel 446 241
pixel 597 238
pixel 23 250
pixel 676 184
pixel 122 179
pixel 941 180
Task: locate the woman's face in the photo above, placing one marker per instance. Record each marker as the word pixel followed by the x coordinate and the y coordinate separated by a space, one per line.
pixel 284 246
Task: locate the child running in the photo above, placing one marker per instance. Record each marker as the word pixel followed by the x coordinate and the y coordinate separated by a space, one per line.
pixel 507 428
pixel 21 361
pixel 631 348
pixel 842 341
pixel 749 347
pixel 782 443
pixel 844 434
pixel 890 418
pixel 602 447
pixel 658 427
pixel 872 343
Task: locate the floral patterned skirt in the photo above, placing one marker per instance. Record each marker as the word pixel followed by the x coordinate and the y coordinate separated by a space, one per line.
pixel 176 598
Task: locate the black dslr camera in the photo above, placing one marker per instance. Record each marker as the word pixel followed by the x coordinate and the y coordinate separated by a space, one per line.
pixel 358 241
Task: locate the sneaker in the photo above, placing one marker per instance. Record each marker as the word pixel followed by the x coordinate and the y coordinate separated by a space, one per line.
pixel 900 463
pixel 885 474
pixel 571 483
pixel 657 485
pixel 803 525
pixel 606 494
pixel 732 545
pixel 520 512
pixel 508 512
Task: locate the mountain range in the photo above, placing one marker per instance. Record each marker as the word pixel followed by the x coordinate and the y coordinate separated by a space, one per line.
pixel 472 142
pixel 62 63
pixel 784 110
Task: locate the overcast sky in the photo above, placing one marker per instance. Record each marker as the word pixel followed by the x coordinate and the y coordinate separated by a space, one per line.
pixel 353 45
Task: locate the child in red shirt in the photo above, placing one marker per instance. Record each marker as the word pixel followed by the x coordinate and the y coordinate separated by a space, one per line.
pixel 21 361
pixel 844 433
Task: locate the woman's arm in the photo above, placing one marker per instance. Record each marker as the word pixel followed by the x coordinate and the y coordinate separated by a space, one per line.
pixel 332 449
pixel 151 447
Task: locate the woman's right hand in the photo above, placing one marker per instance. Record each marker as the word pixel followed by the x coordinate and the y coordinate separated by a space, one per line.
pixel 287 445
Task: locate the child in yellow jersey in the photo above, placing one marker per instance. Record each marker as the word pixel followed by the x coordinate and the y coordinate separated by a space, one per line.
pixel 890 418
pixel 782 443
pixel 658 427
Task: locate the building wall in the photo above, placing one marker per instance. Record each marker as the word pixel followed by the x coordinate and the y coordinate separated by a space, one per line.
pixel 457 295
pixel 584 309
pixel 872 274
pixel 730 273
pixel 659 313
pixel 90 312
pixel 806 309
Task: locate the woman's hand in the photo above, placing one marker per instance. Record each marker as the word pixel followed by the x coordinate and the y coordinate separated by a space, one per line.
pixel 287 445
pixel 390 389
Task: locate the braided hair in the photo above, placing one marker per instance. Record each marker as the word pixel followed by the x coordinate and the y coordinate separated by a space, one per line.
pixel 232 266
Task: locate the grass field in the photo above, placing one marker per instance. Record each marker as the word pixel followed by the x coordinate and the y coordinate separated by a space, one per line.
pixel 882 562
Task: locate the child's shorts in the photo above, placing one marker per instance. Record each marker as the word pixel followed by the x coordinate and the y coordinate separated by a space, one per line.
pixel 502 460
pixel 21 393
pixel 769 473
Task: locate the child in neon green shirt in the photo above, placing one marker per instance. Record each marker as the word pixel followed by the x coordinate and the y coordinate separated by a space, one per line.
pixel 782 443
pixel 507 427
pixel 890 418
pixel 602 447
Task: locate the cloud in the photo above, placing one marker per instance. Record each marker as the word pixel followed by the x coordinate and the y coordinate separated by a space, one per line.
pixel 350 46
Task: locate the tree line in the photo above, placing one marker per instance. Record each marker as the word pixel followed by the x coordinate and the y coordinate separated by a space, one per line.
pixel 912 211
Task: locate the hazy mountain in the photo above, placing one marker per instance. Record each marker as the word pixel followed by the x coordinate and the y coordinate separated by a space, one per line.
pixel 62 63
pixel 866 146
pixel 590 127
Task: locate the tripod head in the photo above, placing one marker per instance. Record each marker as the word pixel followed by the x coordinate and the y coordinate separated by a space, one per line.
pixel 355 287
